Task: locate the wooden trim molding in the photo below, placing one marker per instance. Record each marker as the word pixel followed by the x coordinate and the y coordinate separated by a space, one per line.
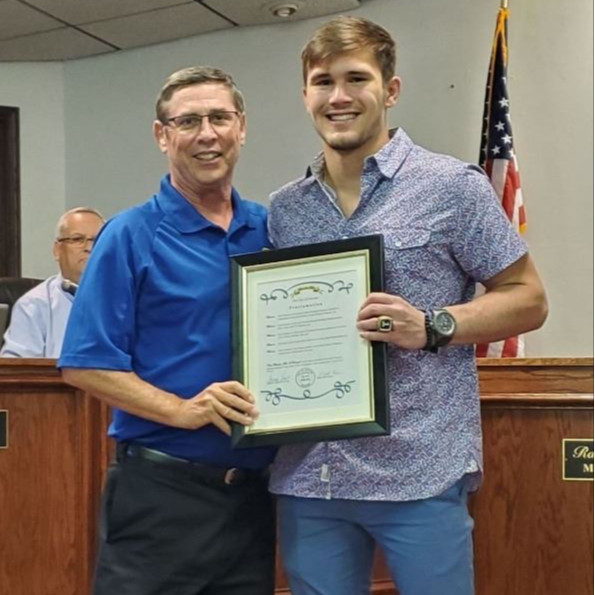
pixel 10 193
pixel 536 382
pixel 26 373
pixel 537 401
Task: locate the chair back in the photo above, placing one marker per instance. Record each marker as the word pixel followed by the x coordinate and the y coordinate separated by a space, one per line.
pixel 11 289
pixel 3 319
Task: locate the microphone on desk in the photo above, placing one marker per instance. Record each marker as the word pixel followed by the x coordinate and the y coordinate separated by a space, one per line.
pixel 69 287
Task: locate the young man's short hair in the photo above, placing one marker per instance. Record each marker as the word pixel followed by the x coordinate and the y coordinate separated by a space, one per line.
pixel 349 34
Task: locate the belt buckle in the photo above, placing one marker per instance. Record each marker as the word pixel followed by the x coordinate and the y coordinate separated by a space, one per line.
pixel 231 476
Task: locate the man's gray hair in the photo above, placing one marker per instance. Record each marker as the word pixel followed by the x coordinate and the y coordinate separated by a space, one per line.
pixel 62 221
pixel 197 75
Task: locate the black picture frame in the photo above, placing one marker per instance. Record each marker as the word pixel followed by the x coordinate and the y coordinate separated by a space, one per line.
pixel 244 269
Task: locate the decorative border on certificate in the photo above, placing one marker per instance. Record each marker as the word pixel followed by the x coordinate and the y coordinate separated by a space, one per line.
pixel 296 345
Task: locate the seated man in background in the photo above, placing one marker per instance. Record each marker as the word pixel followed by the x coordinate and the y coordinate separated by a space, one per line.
pixel 39 317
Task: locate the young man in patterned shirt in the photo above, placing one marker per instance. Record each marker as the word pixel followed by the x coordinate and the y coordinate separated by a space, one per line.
pixel 444 230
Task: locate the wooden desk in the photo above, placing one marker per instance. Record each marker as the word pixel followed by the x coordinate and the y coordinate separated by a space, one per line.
pixel 533 534
pixel 533 531
pixel 50 481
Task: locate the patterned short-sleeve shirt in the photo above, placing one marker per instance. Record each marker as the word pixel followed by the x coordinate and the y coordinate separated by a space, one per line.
pixel 443 230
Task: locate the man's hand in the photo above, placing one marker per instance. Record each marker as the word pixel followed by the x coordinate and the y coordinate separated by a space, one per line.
pixel 409 330
pixel 216 404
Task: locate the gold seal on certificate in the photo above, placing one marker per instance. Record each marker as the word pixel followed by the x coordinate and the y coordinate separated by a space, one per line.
pixel 296 345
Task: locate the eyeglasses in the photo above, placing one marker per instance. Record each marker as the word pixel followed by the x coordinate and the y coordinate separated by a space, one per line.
pixel 188 123
pixel 76 241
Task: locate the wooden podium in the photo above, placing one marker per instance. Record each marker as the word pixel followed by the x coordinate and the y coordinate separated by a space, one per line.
pixel 50 481
pixel 533 531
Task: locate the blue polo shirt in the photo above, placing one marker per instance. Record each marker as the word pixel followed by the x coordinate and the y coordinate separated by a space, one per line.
pixel 155 300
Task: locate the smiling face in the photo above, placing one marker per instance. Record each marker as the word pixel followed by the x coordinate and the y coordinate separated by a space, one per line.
pixel 202 158
pixel 347 101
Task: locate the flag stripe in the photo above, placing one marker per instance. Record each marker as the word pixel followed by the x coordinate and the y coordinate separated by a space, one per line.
pixel 499 179
pixel 498 159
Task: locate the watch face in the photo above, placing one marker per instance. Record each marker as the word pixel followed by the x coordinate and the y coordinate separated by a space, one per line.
pixel 444 323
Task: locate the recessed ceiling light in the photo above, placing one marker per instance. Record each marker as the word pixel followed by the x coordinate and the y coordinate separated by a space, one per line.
pixel 284 11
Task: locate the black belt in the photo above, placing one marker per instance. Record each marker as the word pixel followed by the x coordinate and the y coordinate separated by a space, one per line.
pixel 229 476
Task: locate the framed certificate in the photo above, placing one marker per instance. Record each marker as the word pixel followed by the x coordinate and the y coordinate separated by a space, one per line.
pixel 296 345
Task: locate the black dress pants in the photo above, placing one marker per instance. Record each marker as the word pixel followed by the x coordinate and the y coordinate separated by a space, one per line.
pixel 167 530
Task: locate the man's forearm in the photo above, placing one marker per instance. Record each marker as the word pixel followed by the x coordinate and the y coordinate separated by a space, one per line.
pixel 126 391
pixel 498 314
pixel 515 303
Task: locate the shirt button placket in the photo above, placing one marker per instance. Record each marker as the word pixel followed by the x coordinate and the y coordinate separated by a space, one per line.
pixel 325 474
pixel 345 230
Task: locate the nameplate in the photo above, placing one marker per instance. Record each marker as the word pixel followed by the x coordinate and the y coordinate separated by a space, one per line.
pixel 3 428
pixel 577 462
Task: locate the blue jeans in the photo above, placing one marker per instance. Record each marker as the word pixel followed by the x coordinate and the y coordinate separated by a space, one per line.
pixel 327 546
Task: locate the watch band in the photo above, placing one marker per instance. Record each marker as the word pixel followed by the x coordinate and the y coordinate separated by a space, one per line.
pixel 430 336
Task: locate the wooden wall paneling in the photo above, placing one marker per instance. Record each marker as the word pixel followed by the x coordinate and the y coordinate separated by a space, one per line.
pixel 49 482
pixel 534 532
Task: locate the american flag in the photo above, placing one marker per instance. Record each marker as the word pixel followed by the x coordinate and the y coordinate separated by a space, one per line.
pixel 498 159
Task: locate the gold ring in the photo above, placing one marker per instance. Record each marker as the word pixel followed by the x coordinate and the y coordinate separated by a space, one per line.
pixel 384 324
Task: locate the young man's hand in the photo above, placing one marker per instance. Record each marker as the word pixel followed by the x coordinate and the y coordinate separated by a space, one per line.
pixel 406 323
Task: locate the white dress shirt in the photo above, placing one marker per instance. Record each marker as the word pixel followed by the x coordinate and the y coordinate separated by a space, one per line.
pixel 38 321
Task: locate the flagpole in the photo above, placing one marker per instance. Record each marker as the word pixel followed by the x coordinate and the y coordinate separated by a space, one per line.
pixel 504 4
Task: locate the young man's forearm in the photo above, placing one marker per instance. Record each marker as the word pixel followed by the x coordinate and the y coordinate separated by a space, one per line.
pixel 514 303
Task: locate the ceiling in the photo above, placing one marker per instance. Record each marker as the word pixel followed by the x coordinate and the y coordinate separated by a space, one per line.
pixel 46 30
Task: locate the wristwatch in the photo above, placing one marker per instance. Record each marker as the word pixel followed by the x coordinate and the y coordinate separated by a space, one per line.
pixel 440 329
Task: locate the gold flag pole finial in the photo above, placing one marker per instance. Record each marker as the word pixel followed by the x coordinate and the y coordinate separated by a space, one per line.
pixel 504 4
